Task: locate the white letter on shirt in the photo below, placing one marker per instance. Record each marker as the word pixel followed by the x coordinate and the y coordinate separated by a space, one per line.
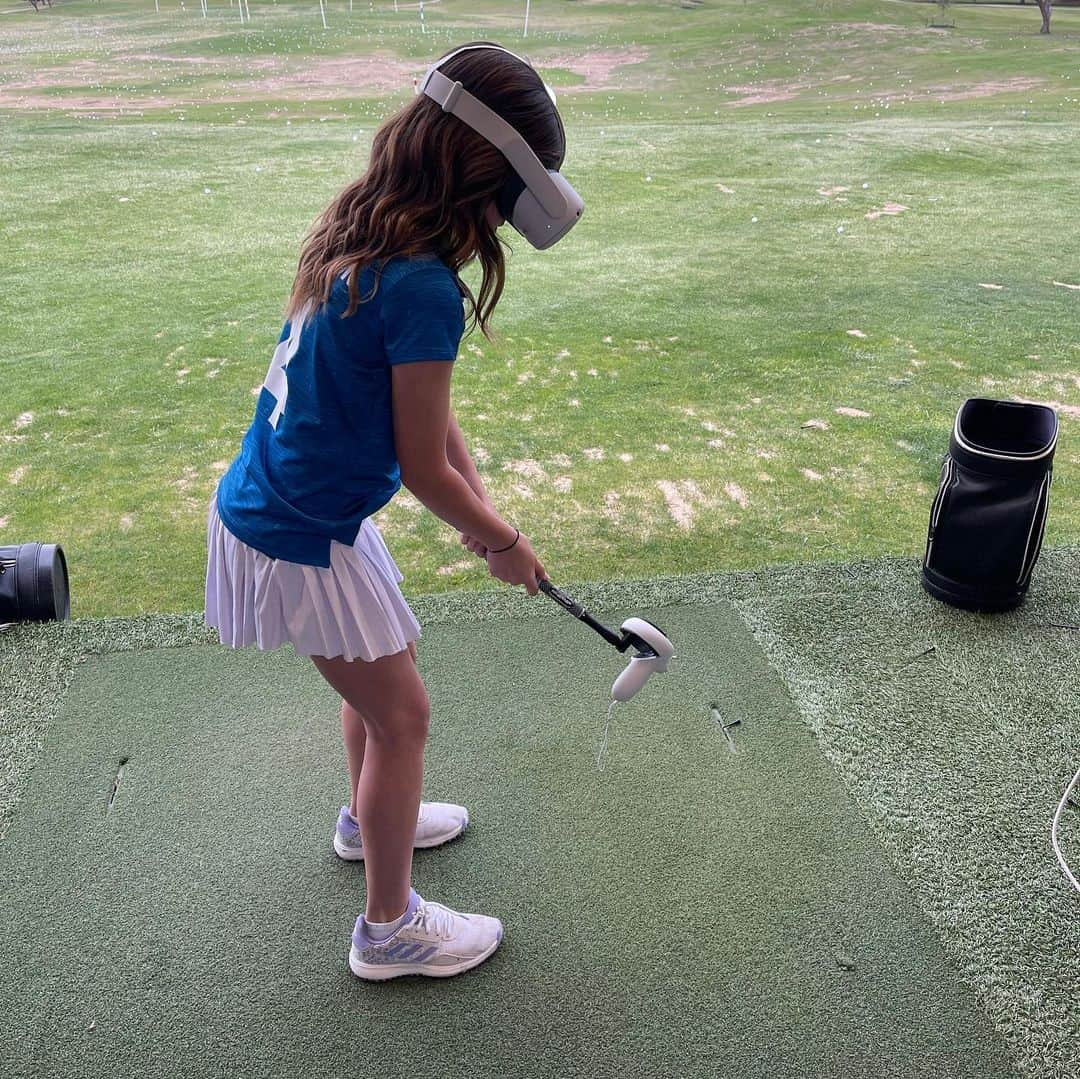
pixel 276 382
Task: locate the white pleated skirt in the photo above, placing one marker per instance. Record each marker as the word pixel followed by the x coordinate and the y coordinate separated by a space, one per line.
pixel 352 609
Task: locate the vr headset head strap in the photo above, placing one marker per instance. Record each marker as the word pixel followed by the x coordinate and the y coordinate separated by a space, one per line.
pixel 455 99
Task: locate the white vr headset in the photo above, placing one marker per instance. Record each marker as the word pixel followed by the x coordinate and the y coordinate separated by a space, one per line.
pixel 538 202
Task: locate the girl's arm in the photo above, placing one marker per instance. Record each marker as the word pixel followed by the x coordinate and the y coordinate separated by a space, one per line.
pixel 421 411
pixel 457 454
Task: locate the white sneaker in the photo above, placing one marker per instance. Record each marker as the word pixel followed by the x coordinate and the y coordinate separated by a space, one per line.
pixel 434 940
pixel 436 823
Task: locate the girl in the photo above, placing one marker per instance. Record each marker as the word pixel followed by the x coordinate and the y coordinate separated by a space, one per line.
pixel 355 404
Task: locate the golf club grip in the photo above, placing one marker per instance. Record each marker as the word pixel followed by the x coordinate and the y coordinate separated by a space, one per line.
pixel 561 598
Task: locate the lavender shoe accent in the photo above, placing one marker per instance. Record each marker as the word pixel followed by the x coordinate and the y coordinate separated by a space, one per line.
pixel 432 940
pixel 361 938
pixel 347 841
pixel 437 823
pixel 347 823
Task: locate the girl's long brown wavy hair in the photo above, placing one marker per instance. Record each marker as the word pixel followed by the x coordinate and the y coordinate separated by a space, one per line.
pixel 428 183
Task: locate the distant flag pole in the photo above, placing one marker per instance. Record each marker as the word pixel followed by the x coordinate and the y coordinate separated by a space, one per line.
pixel 247 8
pixel 322 11
pixel 526 34
pixel 422 26
pixel 240 8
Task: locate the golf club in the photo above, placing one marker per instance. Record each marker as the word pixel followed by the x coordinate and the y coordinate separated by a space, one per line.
pixel 651 644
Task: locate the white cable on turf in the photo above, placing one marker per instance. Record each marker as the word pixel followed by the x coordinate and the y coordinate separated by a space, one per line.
pixel 1054 828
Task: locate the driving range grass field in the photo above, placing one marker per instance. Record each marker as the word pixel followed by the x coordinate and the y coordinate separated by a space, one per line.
pixel 812 230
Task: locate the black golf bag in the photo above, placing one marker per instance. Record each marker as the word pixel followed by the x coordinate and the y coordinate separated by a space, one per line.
pixel 33 583
pixel 988 519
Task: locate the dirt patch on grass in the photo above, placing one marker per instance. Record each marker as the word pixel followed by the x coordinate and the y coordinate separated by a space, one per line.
pixel 768 91
pixel 104 106
pixel 1064 410
pixel 30 90
pixel 597 66
pixel 73 73
pixel 198 61
pixel 737 494
pixel 101 86
pixel 883 27
pixel 333 77
pixel 765 92
pixel 890 209
pixel 1017 84
pixel 834 37
pixel 680 496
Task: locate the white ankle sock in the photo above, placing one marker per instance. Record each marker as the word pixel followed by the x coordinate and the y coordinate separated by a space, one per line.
pixel 383 930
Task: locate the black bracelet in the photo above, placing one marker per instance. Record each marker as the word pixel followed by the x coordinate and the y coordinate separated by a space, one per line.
pixel 501 549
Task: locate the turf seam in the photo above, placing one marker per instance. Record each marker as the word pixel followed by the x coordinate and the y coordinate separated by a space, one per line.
pixel 1033 1027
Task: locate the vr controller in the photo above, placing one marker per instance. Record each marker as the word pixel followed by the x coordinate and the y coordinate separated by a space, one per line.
pixel 651 644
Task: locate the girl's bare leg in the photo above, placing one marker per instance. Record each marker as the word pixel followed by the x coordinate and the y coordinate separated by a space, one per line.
pixel 389 695
pixel 354 735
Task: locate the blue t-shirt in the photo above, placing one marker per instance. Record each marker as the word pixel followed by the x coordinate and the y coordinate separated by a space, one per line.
pixel 319 455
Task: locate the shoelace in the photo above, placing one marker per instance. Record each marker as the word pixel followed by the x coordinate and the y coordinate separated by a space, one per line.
pixel 435 918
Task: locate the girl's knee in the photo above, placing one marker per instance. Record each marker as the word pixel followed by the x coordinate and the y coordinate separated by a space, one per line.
pixel 401 716
pixel 387 693
pixel 404 723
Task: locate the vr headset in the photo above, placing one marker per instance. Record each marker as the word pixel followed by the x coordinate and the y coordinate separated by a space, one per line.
pixel 538 202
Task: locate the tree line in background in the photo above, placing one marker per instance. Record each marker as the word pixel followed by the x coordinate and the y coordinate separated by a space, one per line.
pixel 1045 7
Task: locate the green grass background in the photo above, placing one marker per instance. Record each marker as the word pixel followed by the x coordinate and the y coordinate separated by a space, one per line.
pixel 713 338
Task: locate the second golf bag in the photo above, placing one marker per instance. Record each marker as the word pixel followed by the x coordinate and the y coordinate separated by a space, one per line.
pixel 988 519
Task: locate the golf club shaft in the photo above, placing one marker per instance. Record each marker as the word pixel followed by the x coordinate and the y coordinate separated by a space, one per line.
pixel 579 612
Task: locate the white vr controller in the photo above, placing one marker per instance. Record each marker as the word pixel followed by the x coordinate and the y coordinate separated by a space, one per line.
pixel 642 666
pixel 653 648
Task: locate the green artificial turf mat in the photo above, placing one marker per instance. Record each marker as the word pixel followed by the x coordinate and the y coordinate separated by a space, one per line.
pixel 687 911
pixel 956 734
